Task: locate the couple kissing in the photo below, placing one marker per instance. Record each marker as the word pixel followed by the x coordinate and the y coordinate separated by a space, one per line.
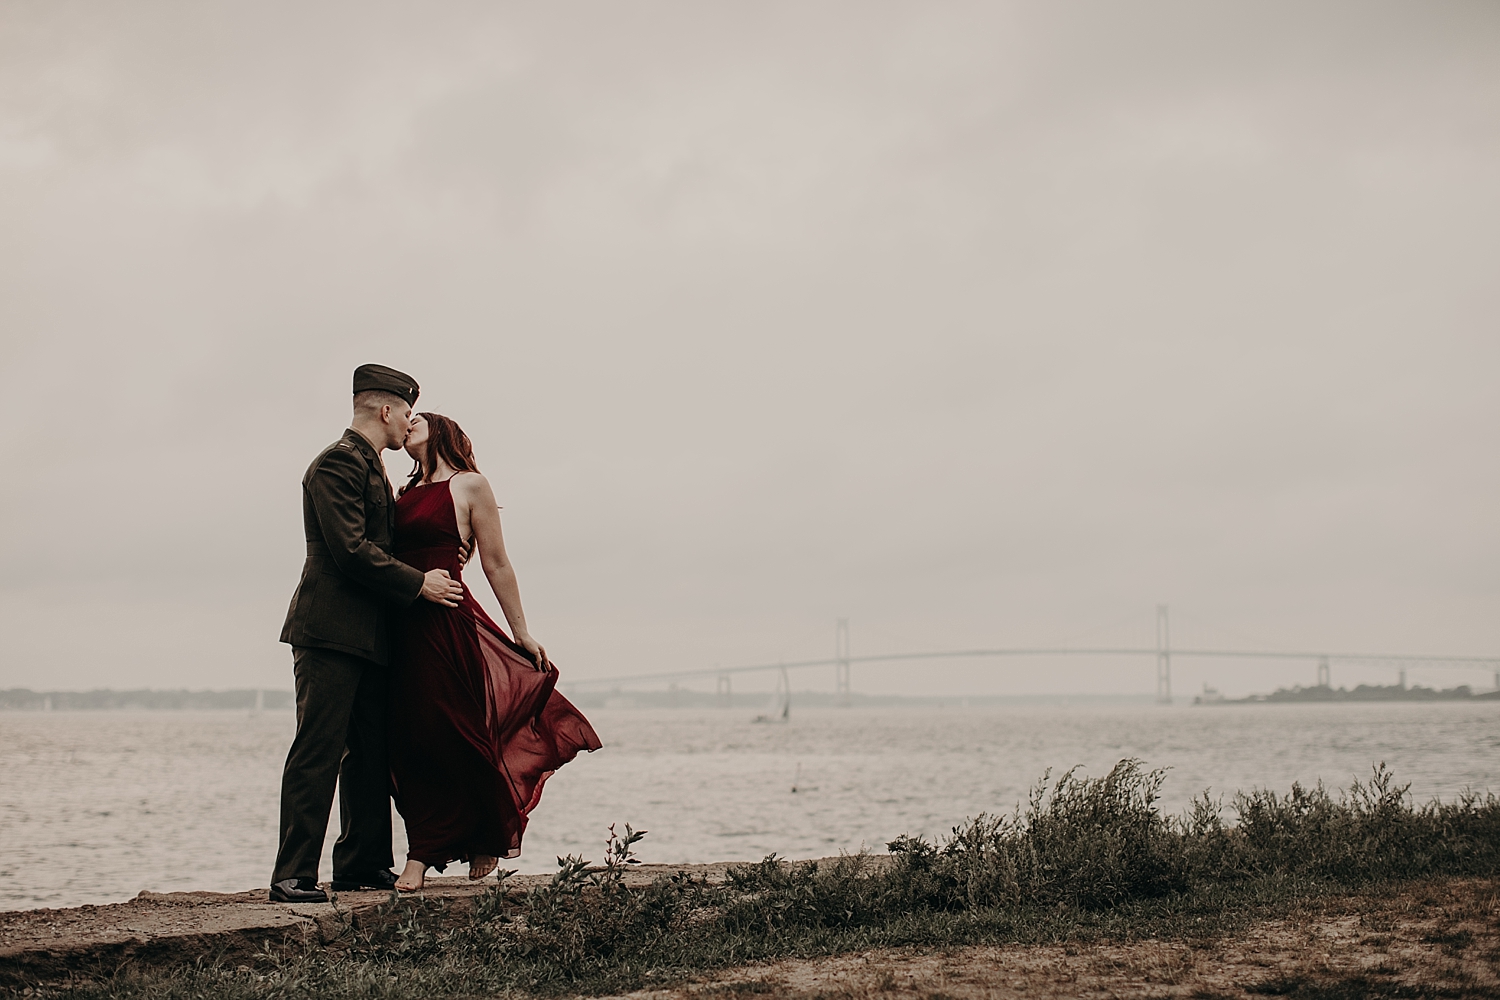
pixel 406 688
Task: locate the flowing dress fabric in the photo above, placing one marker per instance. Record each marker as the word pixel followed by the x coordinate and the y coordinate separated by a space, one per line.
pixel 475 729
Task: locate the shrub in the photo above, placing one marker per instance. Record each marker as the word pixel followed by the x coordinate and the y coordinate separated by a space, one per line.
pixel 1090 842
pixel 1372 832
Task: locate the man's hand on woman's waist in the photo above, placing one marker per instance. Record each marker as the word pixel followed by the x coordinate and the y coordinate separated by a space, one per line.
pixel 440 588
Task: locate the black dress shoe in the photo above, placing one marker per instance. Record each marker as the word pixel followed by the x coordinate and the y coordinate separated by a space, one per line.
pixel 297 890
pixel 380 879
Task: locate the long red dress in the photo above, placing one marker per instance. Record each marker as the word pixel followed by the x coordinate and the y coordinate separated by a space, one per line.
pixel 475 729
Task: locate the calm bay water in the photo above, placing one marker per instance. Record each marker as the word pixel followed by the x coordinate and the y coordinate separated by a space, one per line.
pixel 95 806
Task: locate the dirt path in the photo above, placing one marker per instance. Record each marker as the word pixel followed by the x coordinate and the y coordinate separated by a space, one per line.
pixel 1433 941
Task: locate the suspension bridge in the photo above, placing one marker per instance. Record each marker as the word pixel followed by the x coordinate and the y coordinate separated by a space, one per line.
pixel 1163 652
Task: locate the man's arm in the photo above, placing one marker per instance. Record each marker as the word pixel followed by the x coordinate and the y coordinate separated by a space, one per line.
pixel 337 490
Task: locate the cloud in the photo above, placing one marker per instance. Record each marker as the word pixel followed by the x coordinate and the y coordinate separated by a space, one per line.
pixel 972 321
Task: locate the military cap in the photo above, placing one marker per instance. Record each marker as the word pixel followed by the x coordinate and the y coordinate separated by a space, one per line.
pixel 367 377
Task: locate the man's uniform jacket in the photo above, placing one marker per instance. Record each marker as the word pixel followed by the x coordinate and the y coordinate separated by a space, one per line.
pixel 350 582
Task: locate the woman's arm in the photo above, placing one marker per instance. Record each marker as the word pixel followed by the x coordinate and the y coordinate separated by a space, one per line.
pixel 473 491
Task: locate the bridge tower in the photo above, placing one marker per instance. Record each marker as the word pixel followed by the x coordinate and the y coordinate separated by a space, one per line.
pixel 841 662
pixel 1163 657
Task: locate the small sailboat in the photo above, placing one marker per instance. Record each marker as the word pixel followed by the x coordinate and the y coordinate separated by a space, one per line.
pixel 780 709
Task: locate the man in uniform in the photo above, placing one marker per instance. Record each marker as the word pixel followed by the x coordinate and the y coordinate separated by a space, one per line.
pixel 338 630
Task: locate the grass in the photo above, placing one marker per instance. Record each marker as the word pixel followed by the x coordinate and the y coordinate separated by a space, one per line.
pixel 1082 860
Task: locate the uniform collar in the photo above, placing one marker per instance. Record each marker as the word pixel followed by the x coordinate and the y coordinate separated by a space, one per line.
pixel 362 443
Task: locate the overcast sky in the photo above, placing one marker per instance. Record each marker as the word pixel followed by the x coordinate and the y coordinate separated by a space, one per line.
pixel 978 324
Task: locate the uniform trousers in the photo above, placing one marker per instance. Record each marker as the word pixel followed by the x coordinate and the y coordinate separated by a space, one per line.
pixel 341 712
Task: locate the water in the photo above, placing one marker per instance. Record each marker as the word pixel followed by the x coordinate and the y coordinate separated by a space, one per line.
pixel 95 806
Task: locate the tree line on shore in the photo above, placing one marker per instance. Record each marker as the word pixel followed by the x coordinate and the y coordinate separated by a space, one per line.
pixel 26 700
pixel 1362 692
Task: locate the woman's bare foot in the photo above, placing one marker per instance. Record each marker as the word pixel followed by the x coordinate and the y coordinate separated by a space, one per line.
pixel 413 876
pixel 480 866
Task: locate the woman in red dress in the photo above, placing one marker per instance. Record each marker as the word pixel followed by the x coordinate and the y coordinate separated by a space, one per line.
pixel 476 725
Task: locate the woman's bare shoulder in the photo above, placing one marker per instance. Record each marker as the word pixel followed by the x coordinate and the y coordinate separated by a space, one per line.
pixel 470 484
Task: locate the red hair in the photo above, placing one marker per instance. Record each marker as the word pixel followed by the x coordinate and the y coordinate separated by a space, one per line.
pixel 446 441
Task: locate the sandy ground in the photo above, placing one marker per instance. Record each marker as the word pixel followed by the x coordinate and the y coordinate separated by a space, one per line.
pixel 1440 940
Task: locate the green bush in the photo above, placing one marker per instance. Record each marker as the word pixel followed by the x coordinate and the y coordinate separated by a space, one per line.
pixel 1093 843
pixel 1372 832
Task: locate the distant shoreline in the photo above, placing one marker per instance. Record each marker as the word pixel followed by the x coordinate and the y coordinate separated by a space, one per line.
pixel 268 699
pixel 250 699
pixel 104 699
pixel 1323 694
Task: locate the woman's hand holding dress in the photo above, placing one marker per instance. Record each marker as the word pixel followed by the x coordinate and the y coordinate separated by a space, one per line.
pixel 526 642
